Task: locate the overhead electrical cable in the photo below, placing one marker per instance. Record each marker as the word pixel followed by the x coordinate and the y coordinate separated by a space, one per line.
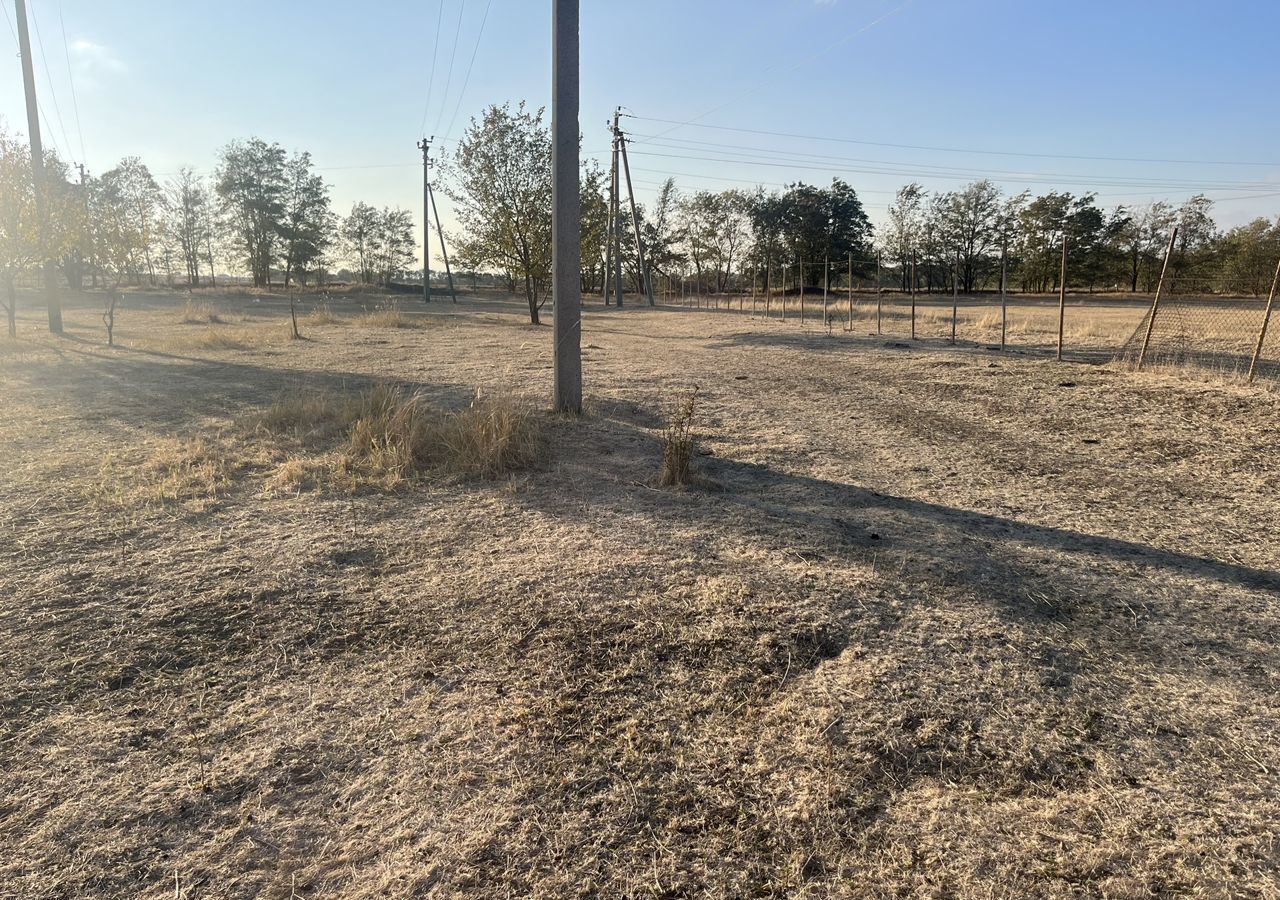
pixel 431 79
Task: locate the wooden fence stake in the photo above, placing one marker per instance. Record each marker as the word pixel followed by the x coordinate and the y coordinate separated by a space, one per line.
pixel 1266 317
pixel 1155 304
pixel 1062 295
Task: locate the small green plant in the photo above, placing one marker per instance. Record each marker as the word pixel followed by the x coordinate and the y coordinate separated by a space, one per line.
pixel 678 443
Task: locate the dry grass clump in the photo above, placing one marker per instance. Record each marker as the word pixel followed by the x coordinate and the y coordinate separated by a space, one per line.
pixel 323 315
pixel 192 472
pixel 387 435
pixel 390 315
pixel 194 313
pixel 678 444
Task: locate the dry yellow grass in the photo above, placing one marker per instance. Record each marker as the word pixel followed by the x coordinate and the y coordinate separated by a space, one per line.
pixel 323 315
pixel 198 313
pixel 957 623
pixel 388 434
pixel 390 315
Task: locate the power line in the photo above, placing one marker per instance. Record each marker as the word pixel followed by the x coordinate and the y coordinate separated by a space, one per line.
pixel 48 77
pixel 907 173
pixel 431 80
pixel 928 170
pixel 444 103
pixel 39 109
pixel 71 79
pixel 804 62
pixel 467 80
pixel 814 137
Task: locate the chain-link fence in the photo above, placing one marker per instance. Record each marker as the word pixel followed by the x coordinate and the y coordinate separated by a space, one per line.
pixel 1192 326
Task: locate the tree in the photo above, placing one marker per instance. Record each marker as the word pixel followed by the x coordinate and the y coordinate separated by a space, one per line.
pixel 393 244
pixel 188 218
pixel 130 183
pixel 906 224
pixel 824 223
pixel 1197 234
pixel 251 185
pixel 768 227
pixel 359 236
pixel 662 235
pixel 1249 254
pixel 306 226
pixel 969 220
pixel 503 197
pixel 594 207
pixel 19 231
pixel 1142 242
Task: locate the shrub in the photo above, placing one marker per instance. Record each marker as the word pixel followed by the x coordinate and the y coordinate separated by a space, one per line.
pixel 678 444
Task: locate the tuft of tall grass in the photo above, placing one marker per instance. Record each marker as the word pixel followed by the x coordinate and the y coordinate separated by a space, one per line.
pixel 389 434
pixel 199 314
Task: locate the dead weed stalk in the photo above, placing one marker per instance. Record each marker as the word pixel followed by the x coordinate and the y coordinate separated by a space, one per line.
pixel 678 444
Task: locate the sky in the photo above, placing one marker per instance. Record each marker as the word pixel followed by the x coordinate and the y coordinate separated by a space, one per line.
pixel 1134 100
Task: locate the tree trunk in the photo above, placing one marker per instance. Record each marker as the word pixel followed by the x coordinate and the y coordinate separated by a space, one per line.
pixel 533 304
pixel 12 310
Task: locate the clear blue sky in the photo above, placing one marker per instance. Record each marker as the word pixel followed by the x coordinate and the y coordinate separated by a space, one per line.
pixel 1179 80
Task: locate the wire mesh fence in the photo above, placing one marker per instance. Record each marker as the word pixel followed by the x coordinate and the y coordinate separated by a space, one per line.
pixel 1193 327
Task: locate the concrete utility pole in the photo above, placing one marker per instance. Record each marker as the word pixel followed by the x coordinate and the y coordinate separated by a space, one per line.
pixel 444 249
pixel 566 224
pixel 425 146
pixel 615 216
pixel 647 285
pixel 37 168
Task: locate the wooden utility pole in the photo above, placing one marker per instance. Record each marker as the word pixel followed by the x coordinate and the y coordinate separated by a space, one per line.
pixel 425 146
pixel 851 290
pixel 566 212
pixel 52 299
pixel 800 271
pixel 768 286
pixel 1062 295
pixel 913 295
pixel 1266 319
pixel 1004 292
pixel 1155 304
pixel 444 250
pixel 955 295
pixel 879 295
pixel 826 281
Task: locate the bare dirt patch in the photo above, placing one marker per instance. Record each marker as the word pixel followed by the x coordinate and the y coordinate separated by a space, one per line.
pixel 954 622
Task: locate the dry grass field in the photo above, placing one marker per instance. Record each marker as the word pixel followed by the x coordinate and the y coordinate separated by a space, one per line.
pixel 353 616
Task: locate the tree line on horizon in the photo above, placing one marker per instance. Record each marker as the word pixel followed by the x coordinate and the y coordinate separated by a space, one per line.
pixel 267 213
pixel 263 212
pixel 500 181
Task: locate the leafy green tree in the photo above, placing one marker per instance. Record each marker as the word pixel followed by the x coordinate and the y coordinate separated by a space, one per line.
pixel 969 222
pixel 768 221
pixel 902 234
pixel 251 183
pixel 1249 253
pixel 662 235
pixel 502 196
pixel 306 226
pixel 188 218
pixel 1142 242
pixel 359 234
pixel 824 223
pixel 19 231
pixel 594 204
